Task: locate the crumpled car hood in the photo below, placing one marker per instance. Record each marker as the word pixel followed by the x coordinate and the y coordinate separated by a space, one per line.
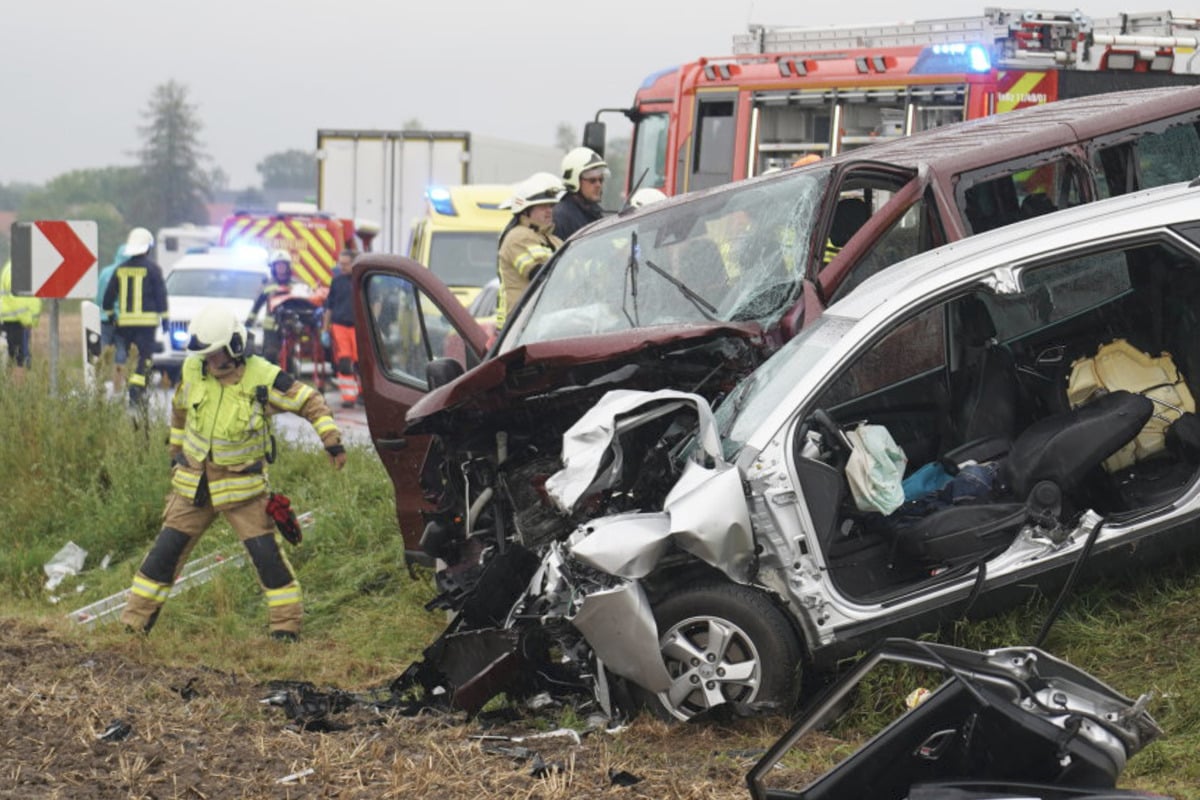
pixel 543 367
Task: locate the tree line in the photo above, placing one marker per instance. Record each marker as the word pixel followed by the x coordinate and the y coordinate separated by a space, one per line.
pixel 170 183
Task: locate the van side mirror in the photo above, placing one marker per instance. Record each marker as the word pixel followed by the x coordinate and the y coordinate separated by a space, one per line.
pixel 441 371
pixel 594 135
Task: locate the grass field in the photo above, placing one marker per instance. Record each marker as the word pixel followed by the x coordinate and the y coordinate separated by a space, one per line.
pixel 78 468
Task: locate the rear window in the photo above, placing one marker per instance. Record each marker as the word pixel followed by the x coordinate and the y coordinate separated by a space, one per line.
pixel 215 282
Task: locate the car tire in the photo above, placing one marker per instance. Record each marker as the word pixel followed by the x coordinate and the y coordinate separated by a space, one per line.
pixel 756 662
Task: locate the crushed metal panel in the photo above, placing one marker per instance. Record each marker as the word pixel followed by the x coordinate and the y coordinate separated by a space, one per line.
pixel 710 519
pixel 620 627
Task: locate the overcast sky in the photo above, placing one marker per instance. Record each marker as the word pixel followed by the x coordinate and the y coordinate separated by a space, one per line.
pixel 266 75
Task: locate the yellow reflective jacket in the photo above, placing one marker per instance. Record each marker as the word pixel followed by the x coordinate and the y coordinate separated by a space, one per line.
pixel 14 308
pixel 220 428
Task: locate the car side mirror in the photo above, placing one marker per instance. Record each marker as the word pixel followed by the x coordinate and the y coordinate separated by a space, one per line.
pixel 441 371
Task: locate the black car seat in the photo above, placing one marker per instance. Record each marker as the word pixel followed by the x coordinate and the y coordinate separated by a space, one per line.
pixel 983 390
pixel 1048 462
pixel 850 214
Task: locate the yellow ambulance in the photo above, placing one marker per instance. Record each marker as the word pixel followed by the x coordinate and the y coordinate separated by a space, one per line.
pixel 458 237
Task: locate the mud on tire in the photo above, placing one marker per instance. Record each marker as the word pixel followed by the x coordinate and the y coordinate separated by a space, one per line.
pixel 723 643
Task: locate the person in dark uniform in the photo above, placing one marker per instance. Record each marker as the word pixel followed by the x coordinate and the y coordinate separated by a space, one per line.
pixel 137 296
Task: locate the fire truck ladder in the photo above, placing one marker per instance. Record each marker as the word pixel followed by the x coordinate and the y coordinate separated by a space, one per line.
pixel 1017 35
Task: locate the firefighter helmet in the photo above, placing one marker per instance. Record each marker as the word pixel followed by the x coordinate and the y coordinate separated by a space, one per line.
pixel 579 161
pixel 540 188
pixel 280 255
pixel 214 328
pixel 646 196
pixel 139 242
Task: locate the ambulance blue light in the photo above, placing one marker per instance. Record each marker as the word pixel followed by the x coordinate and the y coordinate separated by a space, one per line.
pixel 978 58
pixel 439 198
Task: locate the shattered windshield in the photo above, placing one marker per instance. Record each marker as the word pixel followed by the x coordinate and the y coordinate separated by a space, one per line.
pixel 764 390
pixel 731 256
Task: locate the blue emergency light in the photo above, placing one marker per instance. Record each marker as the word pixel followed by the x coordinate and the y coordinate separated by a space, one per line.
pixel 940 59
pixel 439 198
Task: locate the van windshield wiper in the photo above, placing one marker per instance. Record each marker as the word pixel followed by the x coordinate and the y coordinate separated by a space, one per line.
pixel 703 306
pixel 631 271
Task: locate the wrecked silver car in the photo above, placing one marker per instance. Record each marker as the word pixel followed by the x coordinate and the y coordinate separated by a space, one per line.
pixel 961 430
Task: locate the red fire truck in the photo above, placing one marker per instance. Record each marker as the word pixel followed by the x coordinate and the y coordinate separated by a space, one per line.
pixel 789 94
pixel 313 238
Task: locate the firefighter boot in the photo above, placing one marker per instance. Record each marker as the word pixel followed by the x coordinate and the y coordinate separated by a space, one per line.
pixel 154 579
pixel 284 607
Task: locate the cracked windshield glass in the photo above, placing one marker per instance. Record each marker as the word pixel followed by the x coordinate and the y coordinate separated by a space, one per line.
pixel 733 256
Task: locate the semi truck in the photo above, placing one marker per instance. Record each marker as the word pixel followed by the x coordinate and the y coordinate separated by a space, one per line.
pixel 384 175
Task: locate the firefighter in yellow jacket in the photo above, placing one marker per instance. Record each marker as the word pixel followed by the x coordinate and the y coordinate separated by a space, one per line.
pixel 528 241
pixel 220 447
pixel 18 315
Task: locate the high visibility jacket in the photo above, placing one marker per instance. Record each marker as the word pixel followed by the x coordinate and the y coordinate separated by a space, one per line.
pixel 14 308
pixel 524 248
pixel 221 430
pixel 137 292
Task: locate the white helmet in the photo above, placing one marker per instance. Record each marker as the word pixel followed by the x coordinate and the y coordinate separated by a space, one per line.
pixel 645 196
pixel 216 327
pixel 579 161
pixel 540 188
pixel 280 255
pixel 139 242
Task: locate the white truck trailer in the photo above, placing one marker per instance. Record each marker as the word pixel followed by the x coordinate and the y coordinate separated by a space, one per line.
pixel 383 175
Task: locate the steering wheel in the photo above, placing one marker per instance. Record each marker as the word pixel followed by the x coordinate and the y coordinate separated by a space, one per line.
pixel 832 435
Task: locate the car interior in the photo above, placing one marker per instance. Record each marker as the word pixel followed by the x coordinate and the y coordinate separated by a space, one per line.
pixel 1011 410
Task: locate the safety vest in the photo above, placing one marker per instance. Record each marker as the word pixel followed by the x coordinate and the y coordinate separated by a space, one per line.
pixel 227 427
pixel 14 308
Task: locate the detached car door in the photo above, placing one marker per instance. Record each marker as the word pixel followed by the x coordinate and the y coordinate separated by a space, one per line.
pixel 406 318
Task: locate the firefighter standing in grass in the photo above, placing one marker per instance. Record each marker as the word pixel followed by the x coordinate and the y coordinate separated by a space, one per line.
pixel 338 320
pixel 528 241
pixel 583 174
pixel 18 315
pixel 137 295
pixel 220 447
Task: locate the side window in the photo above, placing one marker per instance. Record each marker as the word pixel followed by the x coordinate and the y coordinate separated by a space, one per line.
pixel 912 348
pixel 1061 291
pixel 907 237
pixel 1154 159
pixel 712 162
pixel 1025 191
pixel 408 330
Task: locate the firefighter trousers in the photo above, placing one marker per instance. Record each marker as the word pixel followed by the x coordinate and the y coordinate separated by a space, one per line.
pixel 183 525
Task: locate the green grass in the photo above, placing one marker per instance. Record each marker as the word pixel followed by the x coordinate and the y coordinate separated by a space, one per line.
pixel 80 468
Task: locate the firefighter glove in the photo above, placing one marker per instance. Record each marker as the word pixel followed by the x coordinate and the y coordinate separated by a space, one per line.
pixel 279 507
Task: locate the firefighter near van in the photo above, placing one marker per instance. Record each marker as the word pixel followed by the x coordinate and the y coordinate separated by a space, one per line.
pixel 220 450
pixel 135 301
pixel 338 321
pixel 528 241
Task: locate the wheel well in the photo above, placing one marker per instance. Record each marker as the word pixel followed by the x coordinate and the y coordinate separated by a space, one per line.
pixel 690 571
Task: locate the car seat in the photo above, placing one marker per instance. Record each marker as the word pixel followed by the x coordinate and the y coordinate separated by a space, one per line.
pixel 983 390
pixel 850 214
pixel 1047 463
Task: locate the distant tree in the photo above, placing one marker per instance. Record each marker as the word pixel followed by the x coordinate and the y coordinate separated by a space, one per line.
pixel 11 195
pixel 108 195
pixel 290 169
pixel 250 197
pixel 566 137
pixel 412 124
pixel 218 180
pixel 175 184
